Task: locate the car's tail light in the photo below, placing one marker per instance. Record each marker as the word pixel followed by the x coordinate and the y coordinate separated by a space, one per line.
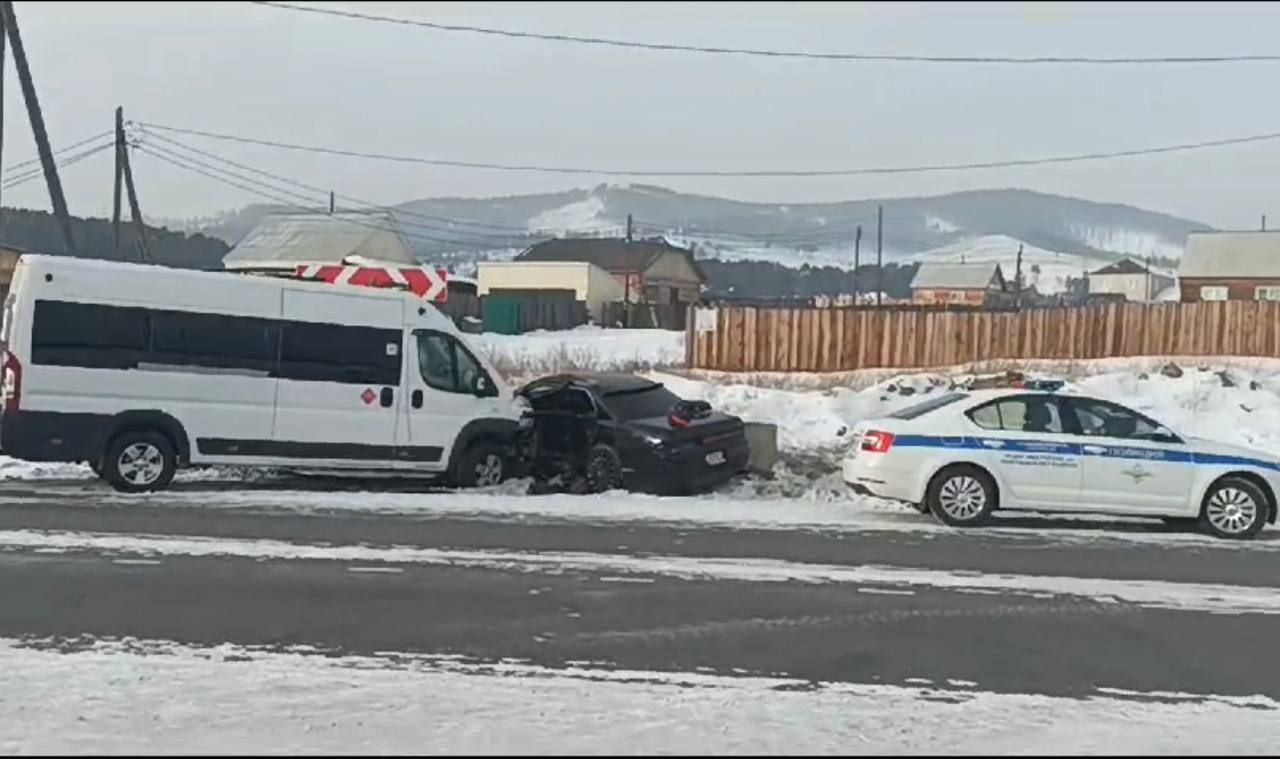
pixel 876 441
pixel 11 382
pixel 676 422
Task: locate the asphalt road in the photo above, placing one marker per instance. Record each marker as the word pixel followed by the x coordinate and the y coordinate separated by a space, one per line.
pixel 1054 644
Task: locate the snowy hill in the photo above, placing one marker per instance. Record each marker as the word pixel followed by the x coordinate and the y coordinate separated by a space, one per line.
pixel 791 234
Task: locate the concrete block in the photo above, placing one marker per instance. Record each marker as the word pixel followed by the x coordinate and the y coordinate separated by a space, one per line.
pixel 762 447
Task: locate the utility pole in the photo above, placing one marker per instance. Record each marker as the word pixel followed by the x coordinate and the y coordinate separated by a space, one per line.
pixel 56 198
pixel 857 253
pixel 125 170
pixel 879 254
pixel 1264 222
pixel 1149 293
pixel 333 202
pixel 626 283
pixel 2 52
pixel 115 197
pixel 1017 282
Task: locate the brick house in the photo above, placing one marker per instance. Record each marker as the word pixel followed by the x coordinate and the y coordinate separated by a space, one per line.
pixel 1230 266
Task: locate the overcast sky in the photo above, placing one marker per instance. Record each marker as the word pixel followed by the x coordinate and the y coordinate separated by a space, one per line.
pixel 275 74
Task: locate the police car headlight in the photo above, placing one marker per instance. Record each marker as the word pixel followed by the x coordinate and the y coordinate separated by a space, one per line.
pixel 653 441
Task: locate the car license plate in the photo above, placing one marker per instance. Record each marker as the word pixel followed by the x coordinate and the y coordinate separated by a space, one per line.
pixel 715 458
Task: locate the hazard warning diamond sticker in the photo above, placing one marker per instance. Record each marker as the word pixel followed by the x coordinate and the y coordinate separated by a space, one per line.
pixel 368 396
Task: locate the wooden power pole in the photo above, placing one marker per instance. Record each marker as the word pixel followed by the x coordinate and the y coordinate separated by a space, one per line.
pixel 1017 282
pixel 115 197
pixel 879 254
pixel 2 52
pixel 857 255
pixel 56 197
pixel 125 171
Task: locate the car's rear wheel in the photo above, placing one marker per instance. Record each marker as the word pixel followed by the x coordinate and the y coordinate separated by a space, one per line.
pixel 604 469
pixel 962 495
pixel 1234 508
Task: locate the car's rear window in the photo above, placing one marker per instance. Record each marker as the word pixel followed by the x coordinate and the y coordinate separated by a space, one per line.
pixel 648 403
pixel 925 407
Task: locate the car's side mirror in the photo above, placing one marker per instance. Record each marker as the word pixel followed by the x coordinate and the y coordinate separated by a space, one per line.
pixel 481 387
pixel 1165 435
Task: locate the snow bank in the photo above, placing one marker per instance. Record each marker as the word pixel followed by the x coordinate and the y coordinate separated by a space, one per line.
pixel 1232 405
pixel 134 697
pixel 585 348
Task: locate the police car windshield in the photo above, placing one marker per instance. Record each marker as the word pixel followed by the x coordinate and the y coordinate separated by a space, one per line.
pixel 924 407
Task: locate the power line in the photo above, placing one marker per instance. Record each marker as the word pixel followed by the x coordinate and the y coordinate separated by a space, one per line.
pixel 250 182
pixel 764 53
pixel 27 176
pixel 257 188
pixel 60 151
pixel 507 233
pixel 257 182
pixel 842 230
pixel 389 209
pixel 880 170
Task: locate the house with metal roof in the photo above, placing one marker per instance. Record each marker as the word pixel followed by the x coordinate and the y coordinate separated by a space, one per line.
pixel 650 270
pixel 975 285
pixel 1230 266
pixel 286 241
pixel 1130 279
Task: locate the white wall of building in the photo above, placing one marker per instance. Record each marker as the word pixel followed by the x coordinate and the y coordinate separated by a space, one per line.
pixel 590 283
pixel 1135 287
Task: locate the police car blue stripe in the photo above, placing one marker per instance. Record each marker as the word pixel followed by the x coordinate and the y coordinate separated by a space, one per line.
pixel 1079 449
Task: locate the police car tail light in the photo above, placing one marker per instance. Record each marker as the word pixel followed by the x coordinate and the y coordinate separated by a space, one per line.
pixel 876 441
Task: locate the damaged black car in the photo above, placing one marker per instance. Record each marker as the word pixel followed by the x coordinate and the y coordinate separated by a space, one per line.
pixel 589 433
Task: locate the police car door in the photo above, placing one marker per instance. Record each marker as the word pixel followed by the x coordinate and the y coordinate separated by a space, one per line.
pixel 1025 442
pixel 1130 463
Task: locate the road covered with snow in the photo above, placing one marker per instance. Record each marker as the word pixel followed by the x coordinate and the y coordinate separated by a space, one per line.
pixel 270 613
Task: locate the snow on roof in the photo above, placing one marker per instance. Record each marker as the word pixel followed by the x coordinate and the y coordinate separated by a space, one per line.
pixel 1231 254
pixel 977 276
pixel 286 240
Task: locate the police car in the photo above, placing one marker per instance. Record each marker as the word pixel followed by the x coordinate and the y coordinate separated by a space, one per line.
pixel 962 455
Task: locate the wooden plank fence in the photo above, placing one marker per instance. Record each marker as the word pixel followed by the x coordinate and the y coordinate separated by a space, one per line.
pixel 750 339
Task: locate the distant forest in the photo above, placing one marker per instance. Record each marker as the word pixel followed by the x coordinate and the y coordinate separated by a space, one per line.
pixel 766 279
pixel 38 232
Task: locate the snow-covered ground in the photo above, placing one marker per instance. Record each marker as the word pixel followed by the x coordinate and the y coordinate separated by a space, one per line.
pixel 584 348
pixel 149 697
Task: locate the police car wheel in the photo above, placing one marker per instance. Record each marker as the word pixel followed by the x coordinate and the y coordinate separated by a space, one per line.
pixel 1234 508
pixel 962 496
